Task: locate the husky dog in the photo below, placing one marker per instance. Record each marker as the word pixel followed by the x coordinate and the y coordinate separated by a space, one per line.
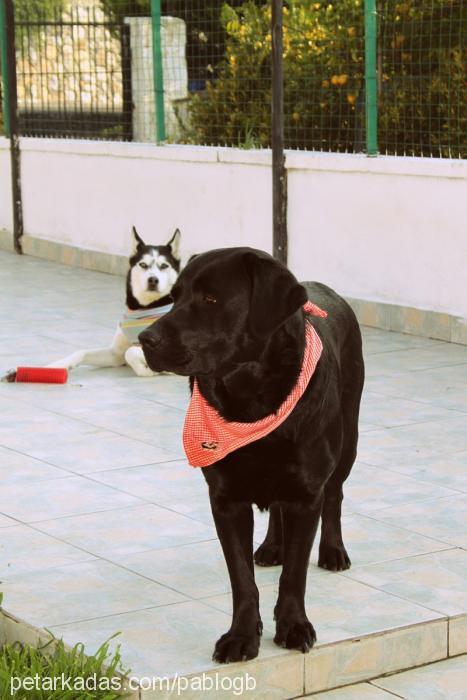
pixel 153 271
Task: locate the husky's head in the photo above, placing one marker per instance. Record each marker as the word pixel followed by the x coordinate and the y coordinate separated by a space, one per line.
pixel 153 270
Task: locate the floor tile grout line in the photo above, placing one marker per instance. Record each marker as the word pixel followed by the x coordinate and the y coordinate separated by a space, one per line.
pixel 448 637
pixel 381 394
pixel 443 615
pixel 173 456
pixel 355 567
pixel 407 670
pixel 145 500
pixel 390 692
pixel 75 515
pixel 416 532
pixel 461 415
pixel 131 612
pixel 414 370
pixel 83 420
pixel 406 504
pixel 100 557
pixel 414 477
pixel 382 426
pixel 456 495
pixel 133 466
pixel 33 403
pixel 125 612
pixel 419 400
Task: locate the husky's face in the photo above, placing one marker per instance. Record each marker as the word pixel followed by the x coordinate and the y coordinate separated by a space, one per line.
pixel 153 269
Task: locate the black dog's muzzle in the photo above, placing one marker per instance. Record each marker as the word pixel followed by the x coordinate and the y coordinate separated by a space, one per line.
pixel 160 354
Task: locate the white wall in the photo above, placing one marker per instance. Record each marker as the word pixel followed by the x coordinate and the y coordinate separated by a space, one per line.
pixel 385 229
pixel 89 194
pixel 6 210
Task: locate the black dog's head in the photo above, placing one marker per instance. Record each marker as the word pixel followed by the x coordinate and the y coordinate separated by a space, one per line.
pixel 227 304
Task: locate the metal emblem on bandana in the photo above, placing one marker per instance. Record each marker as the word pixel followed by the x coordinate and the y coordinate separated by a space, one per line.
pixel 209 445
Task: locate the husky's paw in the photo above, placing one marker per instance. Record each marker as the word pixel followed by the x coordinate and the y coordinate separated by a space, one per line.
pixel 134 357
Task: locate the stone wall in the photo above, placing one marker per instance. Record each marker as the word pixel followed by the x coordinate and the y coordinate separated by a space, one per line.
pixel 74 66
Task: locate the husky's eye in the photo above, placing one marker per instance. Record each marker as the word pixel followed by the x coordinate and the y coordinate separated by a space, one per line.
pixel 143 265
pixel 209 299
pixel 163 266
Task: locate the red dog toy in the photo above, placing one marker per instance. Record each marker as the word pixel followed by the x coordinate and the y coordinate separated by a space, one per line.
pixel 43 375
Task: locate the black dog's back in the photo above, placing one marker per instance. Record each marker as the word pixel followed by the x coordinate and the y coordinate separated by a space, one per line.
pixel 340 332
pixel 341 322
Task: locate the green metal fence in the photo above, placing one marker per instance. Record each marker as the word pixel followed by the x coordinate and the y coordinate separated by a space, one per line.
pixel 374 76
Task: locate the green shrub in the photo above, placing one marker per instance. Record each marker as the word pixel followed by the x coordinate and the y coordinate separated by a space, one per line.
pixel 423 90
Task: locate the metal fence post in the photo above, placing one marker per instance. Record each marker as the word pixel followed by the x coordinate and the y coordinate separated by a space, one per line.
pixel 4 65
pixel 10 113
pixel 157 69
pixel 279 173
pixel 371 86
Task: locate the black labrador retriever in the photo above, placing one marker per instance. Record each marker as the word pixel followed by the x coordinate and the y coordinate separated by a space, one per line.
pixel 237 329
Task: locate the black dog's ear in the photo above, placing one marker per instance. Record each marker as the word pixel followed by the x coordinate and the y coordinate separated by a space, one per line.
pixel 275 294
pixel 137 242
pixel 174 244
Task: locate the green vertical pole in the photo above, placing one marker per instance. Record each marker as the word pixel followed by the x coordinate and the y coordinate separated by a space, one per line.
pixel 371 86
pixel 157 69
pixel 4 62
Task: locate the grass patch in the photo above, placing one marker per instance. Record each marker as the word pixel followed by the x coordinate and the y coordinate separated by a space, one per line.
pixel 53 672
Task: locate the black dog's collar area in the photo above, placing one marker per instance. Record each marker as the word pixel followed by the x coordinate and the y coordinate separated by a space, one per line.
pixel 208 437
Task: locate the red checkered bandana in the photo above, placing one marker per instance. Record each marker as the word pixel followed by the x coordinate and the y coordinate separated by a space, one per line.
pixel 207 437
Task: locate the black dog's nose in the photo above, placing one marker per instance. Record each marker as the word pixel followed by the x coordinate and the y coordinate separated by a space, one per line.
pixel 153 282
pixel 149 339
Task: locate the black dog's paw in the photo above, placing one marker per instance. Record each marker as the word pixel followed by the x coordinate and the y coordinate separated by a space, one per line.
pixel 268 554
pixel 296 635
pixel 237 647
pixel 333 557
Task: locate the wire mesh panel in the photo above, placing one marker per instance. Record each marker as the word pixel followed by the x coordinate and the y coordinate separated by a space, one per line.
pixel 422 78
pixel 323 78
pixel 73 70
pixel 199 71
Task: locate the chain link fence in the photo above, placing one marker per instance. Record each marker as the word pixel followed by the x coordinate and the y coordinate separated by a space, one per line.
pixel 199 72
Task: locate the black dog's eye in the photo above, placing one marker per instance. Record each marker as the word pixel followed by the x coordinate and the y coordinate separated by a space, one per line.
pixel 209 299
pixel 143 265
pixel 163 266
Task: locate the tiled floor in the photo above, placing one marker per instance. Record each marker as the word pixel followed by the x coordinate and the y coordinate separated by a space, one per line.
pixel 444 680
pixel 104 528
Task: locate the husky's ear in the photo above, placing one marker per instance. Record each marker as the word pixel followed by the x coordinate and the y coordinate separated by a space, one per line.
pixel 275 294
pixel 174 244
pixel 136 241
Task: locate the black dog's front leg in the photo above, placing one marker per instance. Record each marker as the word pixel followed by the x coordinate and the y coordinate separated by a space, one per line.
pixel 300 522
pixel 234 525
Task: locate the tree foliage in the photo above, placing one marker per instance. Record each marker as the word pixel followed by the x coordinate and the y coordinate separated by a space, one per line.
pixel 422 95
